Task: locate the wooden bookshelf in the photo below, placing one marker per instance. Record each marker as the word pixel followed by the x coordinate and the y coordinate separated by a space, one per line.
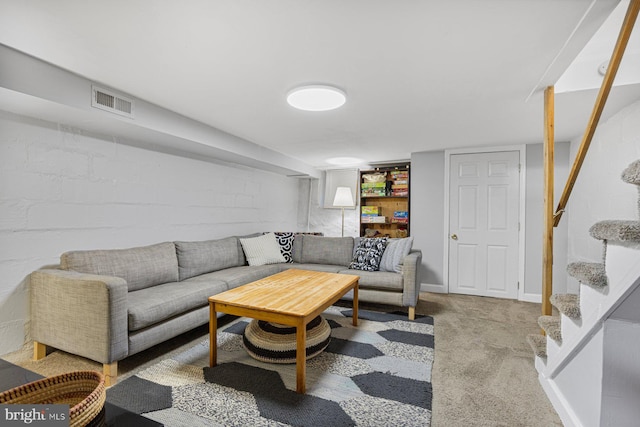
pixel 384 200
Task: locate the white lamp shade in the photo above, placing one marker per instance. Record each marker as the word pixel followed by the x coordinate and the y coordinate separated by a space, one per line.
pixel 343 197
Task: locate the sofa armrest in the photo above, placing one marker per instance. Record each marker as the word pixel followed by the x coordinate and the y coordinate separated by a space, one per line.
pixel 83 314
pixel 410 279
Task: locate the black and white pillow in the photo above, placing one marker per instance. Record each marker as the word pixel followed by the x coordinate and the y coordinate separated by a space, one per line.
pixel 285 240
pixel 368 254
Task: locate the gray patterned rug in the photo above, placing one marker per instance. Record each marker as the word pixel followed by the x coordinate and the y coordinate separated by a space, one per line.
pixel 375 374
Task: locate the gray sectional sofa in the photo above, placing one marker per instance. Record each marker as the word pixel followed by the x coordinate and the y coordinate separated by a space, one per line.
pixel 106 305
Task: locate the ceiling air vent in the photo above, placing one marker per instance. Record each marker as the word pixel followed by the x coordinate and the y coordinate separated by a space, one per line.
pixel 111 101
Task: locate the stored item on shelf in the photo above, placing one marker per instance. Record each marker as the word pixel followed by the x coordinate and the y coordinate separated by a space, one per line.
pixel 399 175
pixel 400 193
pixel 371 210
pixel 400 220
pixel 373 192
pixel 371 232
pixel 374 177
pixel 373 219
pixel 399 186
pixel 382 184
pixel 400 214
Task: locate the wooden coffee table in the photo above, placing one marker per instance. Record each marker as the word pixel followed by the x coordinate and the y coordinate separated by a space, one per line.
pixel 293 298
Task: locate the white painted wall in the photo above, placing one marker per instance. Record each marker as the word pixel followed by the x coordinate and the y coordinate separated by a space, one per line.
pixel 427 218
pixel 579 385
pixel 534 219
pixel 620 374
pixel 63 189
pixel 599 193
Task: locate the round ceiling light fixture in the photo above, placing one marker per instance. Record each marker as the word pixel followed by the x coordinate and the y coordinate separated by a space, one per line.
pixel 344 161
pixel 316 98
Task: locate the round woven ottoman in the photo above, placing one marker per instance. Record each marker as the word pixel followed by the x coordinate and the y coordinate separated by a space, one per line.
pixel 275 343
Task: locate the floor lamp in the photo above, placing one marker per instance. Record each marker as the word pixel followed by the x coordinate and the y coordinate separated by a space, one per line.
pixel 343 199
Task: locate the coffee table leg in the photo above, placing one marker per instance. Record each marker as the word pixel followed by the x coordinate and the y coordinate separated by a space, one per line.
pixel 301 357
pixel 213 335
pixel 355 305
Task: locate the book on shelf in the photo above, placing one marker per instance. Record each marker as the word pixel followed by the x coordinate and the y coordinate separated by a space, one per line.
pixel 400 193
pixel 373 184
pixel 399 186
pixel 400 214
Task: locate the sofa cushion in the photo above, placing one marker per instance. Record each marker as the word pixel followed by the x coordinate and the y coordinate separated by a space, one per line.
pixel 237 276
pixel 369 254
pixel 149 306
pixel 377 279
pixel 327 250
pixel 141 267
pixel 195 258
pixel 394 254
pixel 296 250
pixel 262 250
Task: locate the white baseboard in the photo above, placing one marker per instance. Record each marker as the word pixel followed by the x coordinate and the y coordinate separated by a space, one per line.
pixel 537 298
pixel 428 287
pixel 440 289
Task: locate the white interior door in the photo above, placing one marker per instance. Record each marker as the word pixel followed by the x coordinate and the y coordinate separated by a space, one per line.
pixel 484 194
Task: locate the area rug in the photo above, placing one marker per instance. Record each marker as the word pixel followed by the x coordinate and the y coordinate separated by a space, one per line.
pixel 375 374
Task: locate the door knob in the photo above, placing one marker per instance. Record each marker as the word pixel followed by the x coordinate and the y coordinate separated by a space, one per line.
pixel 454 236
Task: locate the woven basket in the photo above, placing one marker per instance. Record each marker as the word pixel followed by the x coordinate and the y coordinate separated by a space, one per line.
pixel 83 391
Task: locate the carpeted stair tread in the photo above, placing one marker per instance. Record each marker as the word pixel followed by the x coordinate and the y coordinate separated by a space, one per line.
pixel 631 174
pixel 567 304
pixel 589 273
pixel 551 325
pixel 538 344
pixel 616 230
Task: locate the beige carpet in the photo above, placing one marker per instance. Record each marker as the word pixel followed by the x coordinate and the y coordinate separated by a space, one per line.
pixel 483 373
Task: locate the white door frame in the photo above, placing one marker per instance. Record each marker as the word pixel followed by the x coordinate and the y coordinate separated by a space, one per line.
pixel 522 149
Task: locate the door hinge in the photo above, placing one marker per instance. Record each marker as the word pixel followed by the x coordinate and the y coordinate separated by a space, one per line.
pixel 518 285
pixel 519 167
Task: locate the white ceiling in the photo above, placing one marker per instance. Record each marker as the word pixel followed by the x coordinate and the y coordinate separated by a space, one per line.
pixel 419 75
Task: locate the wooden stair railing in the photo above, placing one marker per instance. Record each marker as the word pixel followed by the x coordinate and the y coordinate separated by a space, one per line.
pixel 601 100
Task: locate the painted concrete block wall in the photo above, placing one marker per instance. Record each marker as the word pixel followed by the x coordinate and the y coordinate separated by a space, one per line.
pixel 312 216
pixel 64 189
pixel 599 193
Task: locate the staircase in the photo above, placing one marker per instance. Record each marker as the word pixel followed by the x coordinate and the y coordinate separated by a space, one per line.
pixel 589 360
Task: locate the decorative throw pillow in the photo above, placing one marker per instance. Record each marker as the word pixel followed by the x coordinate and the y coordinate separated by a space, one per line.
pixel 262 250
pixel 285 240
pixel 369 254
pixel 394 254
